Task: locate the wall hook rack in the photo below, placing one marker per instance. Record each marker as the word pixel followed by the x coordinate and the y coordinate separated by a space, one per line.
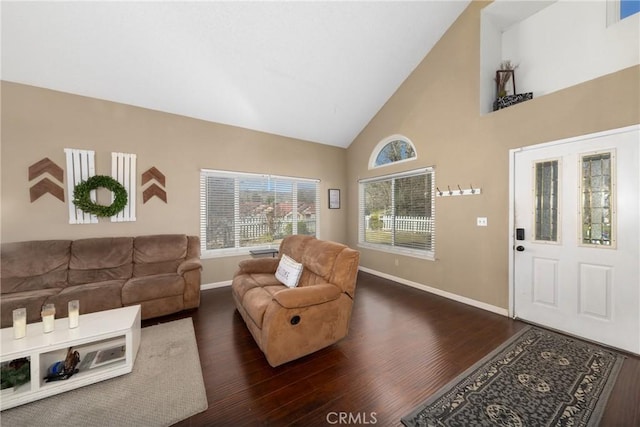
pixel 459 192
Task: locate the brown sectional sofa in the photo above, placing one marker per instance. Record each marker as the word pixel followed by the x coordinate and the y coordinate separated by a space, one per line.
pixel 288 323
pixel 159 272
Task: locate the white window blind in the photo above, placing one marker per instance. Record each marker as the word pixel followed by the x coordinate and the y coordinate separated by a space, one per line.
pixel 241 211
pixel 123 170
pixel 397 213
pixel 80 166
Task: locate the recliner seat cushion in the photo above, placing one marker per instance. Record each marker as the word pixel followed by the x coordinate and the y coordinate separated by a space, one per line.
pixel 31 300
pixel 93 297
pixel 151 287
pixel 243 283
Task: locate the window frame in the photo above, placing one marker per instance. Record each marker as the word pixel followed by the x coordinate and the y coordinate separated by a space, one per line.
pixel 613 11
pixel 238 250
pixel 428 254
pixel 612 202
pixel 558 196
pixel 382 145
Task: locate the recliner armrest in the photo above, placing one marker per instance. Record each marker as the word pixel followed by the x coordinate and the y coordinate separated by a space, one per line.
pixel 258 265
pixel 306 296
pixel 188 265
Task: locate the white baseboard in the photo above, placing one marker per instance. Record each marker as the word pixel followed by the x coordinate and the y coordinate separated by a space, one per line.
pixel 205 286
pixel 478 304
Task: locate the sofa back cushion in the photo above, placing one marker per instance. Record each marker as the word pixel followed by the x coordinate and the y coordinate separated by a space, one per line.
pixel 319 257
pixel 158 254
pixel 324 261
pixel 33 265
pixel 100 259
pixel 294 246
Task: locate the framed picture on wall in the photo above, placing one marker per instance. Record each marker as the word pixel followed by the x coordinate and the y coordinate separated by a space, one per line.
pixel 334 198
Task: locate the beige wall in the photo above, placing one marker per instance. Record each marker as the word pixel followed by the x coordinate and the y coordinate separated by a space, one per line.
pixel 437 108
pixel 38 123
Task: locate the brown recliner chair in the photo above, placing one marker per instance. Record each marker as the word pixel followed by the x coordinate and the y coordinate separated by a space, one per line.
pixel 288 323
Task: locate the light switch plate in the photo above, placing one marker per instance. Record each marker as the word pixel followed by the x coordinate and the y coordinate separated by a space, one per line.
pixel 482 221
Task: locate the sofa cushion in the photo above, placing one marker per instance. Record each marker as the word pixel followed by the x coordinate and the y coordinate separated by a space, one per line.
pixel 295 247
pixel 31 300
pixel 158 254
pixel 320 257
pixel 151 287
pixel 34 265
pixel 244 282
pixel 288 271
pixel 100 259
pixel 93 297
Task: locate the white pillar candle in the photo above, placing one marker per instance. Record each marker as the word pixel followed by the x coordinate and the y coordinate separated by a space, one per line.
pixel 19 323
pixel 48 317
pixel 74 313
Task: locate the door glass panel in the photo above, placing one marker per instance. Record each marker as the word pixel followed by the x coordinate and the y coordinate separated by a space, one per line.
pixel 546 201
pixel 596 200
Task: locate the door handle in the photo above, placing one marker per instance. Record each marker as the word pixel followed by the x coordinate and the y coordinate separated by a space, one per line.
pixel 520 248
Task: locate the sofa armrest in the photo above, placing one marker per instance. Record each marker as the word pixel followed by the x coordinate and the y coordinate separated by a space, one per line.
pixel 258 265
pixel 306 296
pixel 188 265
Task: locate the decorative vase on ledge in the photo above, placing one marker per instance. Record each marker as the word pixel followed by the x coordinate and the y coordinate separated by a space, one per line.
pixel 509 100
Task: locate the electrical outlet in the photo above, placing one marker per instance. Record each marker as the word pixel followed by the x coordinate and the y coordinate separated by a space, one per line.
pixel 482 221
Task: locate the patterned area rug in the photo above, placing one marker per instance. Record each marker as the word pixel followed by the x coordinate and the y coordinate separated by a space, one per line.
pixel 165 387
pixel 536 378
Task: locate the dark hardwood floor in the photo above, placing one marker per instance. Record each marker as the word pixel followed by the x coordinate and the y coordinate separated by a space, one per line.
pixel 403 345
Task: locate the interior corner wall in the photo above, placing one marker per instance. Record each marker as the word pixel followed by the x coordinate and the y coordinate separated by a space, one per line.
pixel 39 123
pixel 437 107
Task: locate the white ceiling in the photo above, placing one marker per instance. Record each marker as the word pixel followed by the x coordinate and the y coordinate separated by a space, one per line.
pixel 317 71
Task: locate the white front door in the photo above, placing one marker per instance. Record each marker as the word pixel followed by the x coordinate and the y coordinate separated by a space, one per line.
pixel 576 238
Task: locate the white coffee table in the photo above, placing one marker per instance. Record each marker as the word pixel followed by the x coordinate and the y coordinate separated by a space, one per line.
pixel 96 331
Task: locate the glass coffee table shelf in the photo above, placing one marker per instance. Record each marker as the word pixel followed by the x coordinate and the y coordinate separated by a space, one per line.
pixel 109 338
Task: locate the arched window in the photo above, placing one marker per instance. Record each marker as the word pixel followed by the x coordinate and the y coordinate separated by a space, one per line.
pixel 393 149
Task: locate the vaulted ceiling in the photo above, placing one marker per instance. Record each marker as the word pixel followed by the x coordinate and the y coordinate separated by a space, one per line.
pixel 317 71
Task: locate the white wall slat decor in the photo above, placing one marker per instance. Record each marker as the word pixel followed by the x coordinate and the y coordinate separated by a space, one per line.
pixel 80 166
pixel 123 170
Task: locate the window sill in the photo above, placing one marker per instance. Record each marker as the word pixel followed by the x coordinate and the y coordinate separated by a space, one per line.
pixel 429 256
pixel 233 252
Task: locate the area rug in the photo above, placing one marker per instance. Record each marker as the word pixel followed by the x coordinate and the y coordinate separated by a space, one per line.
pixel 164 387
pixel 536 378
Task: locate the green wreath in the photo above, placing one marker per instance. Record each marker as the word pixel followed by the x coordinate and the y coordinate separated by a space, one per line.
pixel 82 198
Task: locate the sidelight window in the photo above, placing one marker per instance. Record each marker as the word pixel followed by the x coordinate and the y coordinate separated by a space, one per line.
pixel 546 201
pixel 597 204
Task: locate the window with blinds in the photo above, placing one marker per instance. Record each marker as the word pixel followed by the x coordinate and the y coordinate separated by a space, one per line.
pixel 241 211
pixel 397 213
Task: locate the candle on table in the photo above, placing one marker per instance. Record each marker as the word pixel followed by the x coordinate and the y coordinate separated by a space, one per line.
pixel 74 313
pixel 48 317
pixel 19 323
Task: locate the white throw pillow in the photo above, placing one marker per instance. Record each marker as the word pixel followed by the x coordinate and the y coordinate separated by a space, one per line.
pixel 289 271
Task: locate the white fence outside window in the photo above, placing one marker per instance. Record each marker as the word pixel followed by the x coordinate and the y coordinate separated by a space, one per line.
pixel 418 224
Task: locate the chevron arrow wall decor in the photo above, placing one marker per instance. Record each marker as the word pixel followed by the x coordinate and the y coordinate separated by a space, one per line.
pixel 157 190
pixel 45 185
